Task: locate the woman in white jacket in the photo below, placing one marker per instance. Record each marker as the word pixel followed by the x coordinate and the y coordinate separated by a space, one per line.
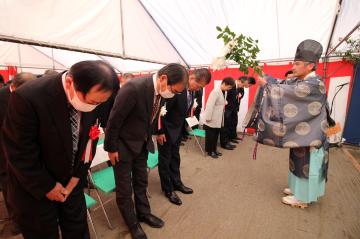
pixel 214 115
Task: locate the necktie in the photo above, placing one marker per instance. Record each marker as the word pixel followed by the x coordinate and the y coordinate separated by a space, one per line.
pixel 155 108
pixel 189 99
pixel 74 122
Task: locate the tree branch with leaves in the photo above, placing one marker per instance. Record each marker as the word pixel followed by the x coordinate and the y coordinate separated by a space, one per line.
pixel 238 48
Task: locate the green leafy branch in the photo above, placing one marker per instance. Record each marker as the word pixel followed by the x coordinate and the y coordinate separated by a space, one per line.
pixel 243 51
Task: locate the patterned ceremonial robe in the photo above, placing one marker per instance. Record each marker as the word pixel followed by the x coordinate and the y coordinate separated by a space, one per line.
pixel 293 115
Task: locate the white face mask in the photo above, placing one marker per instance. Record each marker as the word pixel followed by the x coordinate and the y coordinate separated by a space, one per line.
pixel 167 94
pixel 78 104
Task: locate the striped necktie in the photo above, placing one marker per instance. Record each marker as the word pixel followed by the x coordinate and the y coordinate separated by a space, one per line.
pixel 74 122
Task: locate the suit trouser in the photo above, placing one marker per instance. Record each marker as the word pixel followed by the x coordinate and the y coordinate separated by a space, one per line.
pixel 211 138
pixel 131 175
pixel 225 131
pixel 169 165
pixel 4 191
pixel 233 125
pixel 40 219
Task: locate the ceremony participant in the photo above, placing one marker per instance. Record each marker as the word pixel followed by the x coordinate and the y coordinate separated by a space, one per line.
pixel 45 138
pixel 128 141
pixel 198 98
pixel 305 123
pixel 170 133
pixel 289 75
pixel 214 115
pixel 125 78
pixel 5 93
pixel 241 83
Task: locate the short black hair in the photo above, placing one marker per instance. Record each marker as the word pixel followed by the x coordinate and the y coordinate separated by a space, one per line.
pixel 251 80
pixel 21 78
pixel 175 73
pixel 228 81
pixel 202 74
pixel 87 74
pixel 288 72
pixel 243 78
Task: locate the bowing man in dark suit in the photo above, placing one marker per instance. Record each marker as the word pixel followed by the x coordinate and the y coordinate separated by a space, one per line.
pixel 5 93
pixel 170 133
pixel 128 140
pixel 241 83
pixel 45 136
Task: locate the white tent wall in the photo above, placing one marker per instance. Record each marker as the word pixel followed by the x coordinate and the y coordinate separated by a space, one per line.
pixel 279 25
pixel 26 58
pixel 163 31
pixel 89 26
pixel 347 19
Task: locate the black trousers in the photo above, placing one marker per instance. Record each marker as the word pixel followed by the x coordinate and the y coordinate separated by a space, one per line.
pixel 211 138
pixel 41 219
pixel 233 125
pixel 169 165
pixel 225 131
pixel 131 176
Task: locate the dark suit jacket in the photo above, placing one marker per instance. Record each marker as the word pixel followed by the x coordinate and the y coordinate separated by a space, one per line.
pixel 130 118
pixel 173 122
pixel 233 98
pixel 198 96
pixel 4 100
pixel 232 103
pixel 37 138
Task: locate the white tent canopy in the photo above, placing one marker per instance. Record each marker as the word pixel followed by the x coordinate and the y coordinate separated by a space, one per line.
pixel 157 32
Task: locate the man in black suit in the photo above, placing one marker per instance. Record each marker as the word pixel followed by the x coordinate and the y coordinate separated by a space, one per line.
pixel 198 97
pixel 170 133
pixel 128 140
pixel 241 83
pixel 5 93
pixel 45 136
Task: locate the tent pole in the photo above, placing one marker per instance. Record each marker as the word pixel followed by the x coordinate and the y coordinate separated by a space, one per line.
pixel 52 58
pixel 188 66
pixel 338 8
pixel 77 49
pixel 122 28
pixel 54 61
pixel 345 38
pixel 19 55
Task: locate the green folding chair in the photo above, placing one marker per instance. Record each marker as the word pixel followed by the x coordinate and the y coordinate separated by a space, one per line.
pixel 103 179
pixel 152 162
pixel 89 203
pixel 198 133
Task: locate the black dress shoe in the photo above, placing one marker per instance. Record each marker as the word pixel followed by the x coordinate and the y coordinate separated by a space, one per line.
pixel 213 155
pixel 173 198
pixel 137 232
pixel 218 154
pixel 234 141
pixel 182 188
pixel 151 220
pixel 228 147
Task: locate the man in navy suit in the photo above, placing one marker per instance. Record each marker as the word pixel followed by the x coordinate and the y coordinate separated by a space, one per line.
pixel 170 133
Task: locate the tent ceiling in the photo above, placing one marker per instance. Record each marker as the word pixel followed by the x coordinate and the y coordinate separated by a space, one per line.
pixel 163 31
pixel 279 25
pixel 89 26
